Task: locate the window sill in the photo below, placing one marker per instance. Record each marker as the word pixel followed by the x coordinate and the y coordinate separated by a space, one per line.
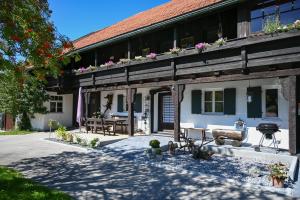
pixel 218 114
pixel 271 119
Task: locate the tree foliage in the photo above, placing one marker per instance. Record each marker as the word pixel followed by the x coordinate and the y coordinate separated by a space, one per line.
pixel 30 50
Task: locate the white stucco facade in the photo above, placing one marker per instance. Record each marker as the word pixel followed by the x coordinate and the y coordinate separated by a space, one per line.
pixel 40 121
pixel 209 121
pixel 212 121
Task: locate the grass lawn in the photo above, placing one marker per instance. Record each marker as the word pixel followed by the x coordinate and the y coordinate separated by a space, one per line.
pixel 15 132
pixel 13 186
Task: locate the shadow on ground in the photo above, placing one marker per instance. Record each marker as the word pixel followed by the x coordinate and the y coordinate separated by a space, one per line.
pixel 112 174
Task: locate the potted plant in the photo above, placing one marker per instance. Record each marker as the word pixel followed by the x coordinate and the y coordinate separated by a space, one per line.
pixel 152 56
pixel 155 144
pixel 201 46
pixel 175 50
pixel 278 174
pixel 158 154
pixel 221 42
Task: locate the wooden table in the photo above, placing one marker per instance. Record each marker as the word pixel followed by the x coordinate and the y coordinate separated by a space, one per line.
pixel 115 123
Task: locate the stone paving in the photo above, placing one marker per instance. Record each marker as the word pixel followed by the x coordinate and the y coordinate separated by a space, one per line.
pixel 111 175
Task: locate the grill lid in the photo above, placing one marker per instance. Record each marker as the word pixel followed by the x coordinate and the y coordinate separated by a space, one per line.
pixel 267 126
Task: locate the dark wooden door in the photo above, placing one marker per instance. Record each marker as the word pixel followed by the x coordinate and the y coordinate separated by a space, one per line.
pixel 165 112
pixel 94 105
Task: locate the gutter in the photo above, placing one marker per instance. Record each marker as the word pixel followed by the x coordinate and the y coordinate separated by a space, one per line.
pixel 157 25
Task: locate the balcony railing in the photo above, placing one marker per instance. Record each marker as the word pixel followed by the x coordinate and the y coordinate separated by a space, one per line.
pixel 252 52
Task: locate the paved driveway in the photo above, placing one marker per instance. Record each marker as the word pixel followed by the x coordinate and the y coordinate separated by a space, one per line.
pixel 110 174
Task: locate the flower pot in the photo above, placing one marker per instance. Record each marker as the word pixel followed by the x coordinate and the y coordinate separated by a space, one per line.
pixel 277 182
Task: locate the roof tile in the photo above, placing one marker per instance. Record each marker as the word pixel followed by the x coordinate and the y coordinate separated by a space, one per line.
pixel 149 17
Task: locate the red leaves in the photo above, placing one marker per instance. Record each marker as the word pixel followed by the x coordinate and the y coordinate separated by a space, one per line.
pixel 67 45
pixel 46 45
pixel 15 38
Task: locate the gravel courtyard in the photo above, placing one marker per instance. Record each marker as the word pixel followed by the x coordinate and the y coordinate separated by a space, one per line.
pixel 113 173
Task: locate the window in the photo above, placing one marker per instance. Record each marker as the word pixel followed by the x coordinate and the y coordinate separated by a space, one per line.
pixel 287 12
pixel 187 42
pixel 272 103
pixel 213 102
pixel 56 104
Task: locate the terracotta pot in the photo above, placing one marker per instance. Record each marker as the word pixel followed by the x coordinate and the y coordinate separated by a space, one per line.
pixel 277 182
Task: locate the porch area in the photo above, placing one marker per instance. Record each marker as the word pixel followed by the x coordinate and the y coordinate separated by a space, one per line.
pixel 200 106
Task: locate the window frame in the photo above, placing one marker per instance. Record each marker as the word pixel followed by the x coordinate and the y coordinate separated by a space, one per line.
pixel 213 101
pixel 277 12
pixel 56 99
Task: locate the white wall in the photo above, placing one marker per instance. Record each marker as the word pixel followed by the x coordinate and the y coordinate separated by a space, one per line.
pixel 212 121
pixel 40 122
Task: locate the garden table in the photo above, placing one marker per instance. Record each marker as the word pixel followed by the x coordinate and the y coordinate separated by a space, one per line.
pixel 115 123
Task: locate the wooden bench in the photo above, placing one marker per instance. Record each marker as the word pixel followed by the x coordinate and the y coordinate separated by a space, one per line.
pixel 232 137
pixel 95 124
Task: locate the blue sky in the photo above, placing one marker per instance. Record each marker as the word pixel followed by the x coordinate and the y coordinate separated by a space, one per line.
pixel 75 18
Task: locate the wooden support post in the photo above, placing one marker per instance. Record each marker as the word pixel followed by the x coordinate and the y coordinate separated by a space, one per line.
pixel 128 49
pixel 130 102
pixel 243 24
pixel 292 115
pixel 177 96
pixel 86 101
pixel 175 37
pixel 96 58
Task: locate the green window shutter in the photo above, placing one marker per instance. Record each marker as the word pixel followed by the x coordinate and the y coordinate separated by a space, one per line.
pixel 138 103
pixel 229 101
pixel 254 108
pixel 120 103
pixel 196 101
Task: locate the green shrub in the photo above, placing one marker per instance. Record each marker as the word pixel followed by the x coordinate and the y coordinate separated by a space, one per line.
pixel 84 142
pixel 93 142
pixel 158 151
pixel 61 132
pixel 78 140
pixel 53 124
pixel 154 143
pixel 70 138
pixel 24 123
pixel 272 25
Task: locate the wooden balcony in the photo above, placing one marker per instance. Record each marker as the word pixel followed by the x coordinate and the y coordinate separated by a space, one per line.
pixel 279 51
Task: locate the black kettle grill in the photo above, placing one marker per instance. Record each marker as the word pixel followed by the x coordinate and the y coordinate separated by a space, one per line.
pixel 268 131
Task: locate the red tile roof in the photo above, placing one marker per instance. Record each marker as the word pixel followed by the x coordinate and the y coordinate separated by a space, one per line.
pixel 157 14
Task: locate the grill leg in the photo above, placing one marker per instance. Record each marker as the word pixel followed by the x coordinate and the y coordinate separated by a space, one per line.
pixel 275 142
pixel 261 140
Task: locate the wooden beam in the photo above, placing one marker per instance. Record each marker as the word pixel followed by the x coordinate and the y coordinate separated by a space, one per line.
pixel 86 101
pixel 130 102
pixel 210 79
pixel 243 21
pixel 292 115
pixel 96 58
pixel 128 49
pixel 175 43
pixel 177 96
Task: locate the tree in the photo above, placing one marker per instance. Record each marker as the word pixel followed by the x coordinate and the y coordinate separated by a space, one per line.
pixel 30 50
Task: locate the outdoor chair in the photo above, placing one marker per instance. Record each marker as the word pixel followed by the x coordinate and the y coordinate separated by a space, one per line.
pixel 94 124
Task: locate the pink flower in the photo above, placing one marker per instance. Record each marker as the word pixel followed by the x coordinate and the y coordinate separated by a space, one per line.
pixel 82 69
pixel 200 46
pixel 152 56
pixel 109 63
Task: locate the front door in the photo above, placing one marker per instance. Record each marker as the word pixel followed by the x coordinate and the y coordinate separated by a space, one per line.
pixel 165 111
